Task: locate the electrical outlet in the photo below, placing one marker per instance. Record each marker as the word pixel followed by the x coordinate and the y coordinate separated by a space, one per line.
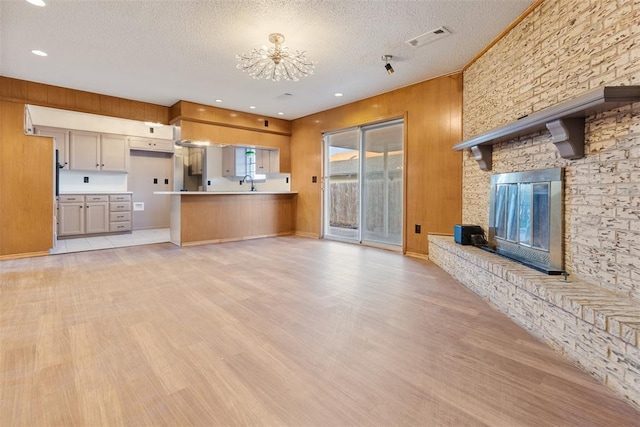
pixel 314 179
pixel 86 179
pixel 166 180
pixel 155 180
pixel 418 229
pixel 286 180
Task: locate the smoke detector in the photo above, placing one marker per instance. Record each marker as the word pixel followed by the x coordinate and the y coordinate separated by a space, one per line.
pixel 428 37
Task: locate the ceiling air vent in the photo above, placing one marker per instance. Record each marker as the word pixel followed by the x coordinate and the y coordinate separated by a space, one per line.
pixel 428 37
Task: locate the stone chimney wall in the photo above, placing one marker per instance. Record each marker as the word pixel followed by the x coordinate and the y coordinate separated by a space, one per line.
pixel 563 49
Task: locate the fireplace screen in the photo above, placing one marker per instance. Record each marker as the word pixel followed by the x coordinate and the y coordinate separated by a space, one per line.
pixel 525 221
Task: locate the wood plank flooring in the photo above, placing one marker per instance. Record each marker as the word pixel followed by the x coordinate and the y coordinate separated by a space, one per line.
pixel 280 331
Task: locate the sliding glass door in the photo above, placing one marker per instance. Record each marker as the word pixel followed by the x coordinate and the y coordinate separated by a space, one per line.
pixel 342 185
pixel 364 184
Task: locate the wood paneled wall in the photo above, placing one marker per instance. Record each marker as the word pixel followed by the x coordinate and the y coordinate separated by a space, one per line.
pixel 26 187
pixel 200 122
pixel 77 100
pixel 432 110
pixel 185 110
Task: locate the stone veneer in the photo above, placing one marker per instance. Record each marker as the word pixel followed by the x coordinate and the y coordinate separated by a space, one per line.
pixel 596 328
pixel 563 49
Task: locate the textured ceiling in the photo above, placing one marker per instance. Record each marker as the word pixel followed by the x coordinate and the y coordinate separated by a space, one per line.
pixel 164 51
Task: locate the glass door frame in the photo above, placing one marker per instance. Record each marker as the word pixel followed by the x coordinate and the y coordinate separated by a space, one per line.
pixel 325 189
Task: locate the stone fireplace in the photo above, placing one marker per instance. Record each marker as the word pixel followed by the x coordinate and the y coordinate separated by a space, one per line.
pixel 561 50
pixel 525 217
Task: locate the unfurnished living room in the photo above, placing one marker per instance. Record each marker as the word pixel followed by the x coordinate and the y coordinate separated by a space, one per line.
pixel 318 213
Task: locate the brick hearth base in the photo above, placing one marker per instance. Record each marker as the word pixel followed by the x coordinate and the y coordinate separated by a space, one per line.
pixel 596 328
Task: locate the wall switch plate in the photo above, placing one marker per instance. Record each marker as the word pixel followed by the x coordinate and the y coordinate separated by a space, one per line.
pixel 418 229
pixel 86 179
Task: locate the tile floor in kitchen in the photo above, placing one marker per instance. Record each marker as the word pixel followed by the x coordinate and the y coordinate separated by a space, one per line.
pixel 135 238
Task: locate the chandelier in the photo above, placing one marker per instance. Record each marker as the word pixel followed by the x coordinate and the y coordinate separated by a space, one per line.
pixel 275 63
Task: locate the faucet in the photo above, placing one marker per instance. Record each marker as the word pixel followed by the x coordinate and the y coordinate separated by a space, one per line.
pixel 253 187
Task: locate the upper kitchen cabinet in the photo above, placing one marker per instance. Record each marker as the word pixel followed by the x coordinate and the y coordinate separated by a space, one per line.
pixel 241 161
pixel 61 140
pixel 114 153
pixel 90 151
pixel 234 161
pixel 267 161
pixel 151 144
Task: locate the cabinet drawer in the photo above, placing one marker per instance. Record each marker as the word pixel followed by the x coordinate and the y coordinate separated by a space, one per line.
pixel 120 197
pixel 120 226
pixel 66 198
pixel 96 198
pixel 119 216
pixel 120 206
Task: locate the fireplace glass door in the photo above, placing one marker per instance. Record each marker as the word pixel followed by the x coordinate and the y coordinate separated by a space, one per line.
pixel 526 217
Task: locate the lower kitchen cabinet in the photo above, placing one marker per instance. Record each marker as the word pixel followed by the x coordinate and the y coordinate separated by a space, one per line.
pixel 81 214
pixel 96 214
pixel 70 215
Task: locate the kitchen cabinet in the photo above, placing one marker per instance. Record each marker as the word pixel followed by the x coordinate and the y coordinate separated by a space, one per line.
pixel 96 214
pixel 119 212
pixel 196 160
pixel 234 161
pixel 114 153
pixel 81 214
pixel 61 140
pixel 84 151
pixel 90 151
pixel 267 161
pixel 151 144
pixel 70 215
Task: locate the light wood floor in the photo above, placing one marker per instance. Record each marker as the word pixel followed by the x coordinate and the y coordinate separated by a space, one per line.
pixel 281 331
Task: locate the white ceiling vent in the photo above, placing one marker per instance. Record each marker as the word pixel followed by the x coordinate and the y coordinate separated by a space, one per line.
pixel 428 37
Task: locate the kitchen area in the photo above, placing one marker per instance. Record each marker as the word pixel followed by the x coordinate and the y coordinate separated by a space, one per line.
pixel 119 182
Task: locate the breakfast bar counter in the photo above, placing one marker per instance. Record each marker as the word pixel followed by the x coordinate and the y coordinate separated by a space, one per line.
pixel 199 217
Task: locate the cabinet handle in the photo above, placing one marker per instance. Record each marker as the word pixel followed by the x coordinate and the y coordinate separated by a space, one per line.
pixel 102 165
pixel 97 164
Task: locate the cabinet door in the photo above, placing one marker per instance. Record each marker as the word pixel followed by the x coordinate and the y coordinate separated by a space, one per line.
pixel 150 144
pixel 84 151
pixel 228 161
pixel 114 153
pixel 274 161
pixel 70 218
pixel 97 217
pixel 262 161
pixel 61 140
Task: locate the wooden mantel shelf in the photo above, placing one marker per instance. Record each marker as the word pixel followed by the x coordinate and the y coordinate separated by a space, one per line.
pixel 565 121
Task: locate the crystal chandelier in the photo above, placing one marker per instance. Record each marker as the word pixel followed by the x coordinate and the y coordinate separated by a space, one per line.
pixel 276 62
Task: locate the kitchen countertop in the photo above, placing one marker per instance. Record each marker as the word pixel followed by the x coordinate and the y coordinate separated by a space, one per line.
pixel 219 193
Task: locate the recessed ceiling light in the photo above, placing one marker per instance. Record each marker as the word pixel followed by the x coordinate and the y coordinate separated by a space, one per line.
pixel 40 3
pixel 39 52
pixel 338 94
pixel 280 113
pixel 253 107
pixel 218 100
